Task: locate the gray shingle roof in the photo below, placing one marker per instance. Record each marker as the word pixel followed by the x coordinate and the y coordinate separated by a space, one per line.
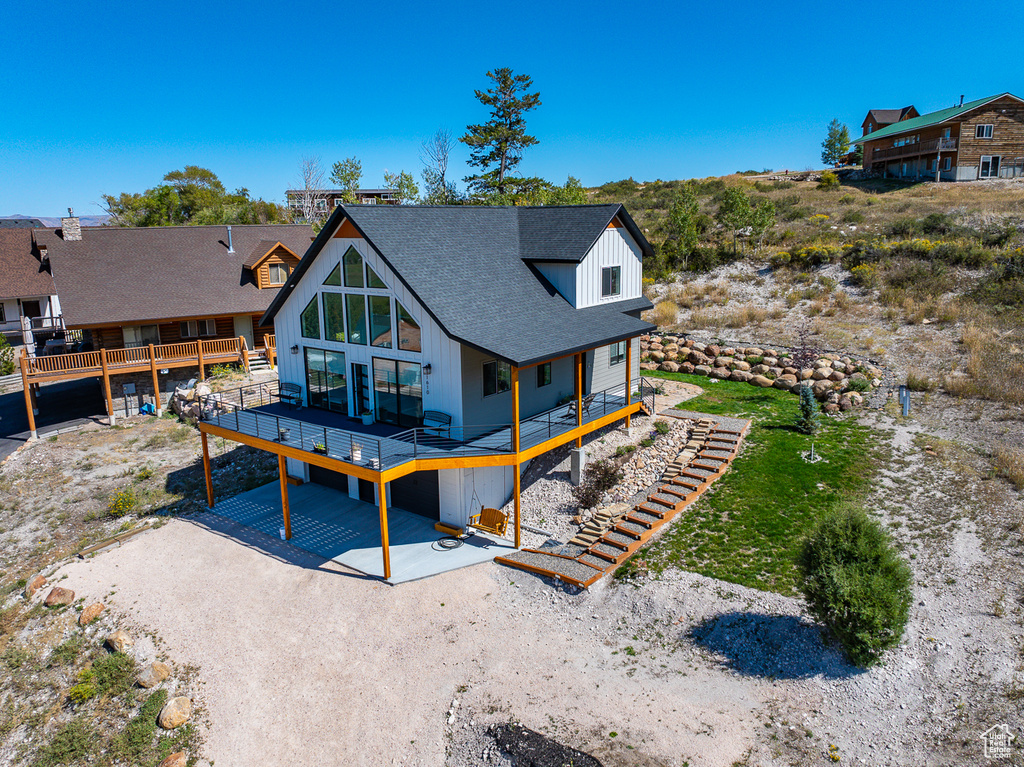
pixel 122 275
pixel 469 266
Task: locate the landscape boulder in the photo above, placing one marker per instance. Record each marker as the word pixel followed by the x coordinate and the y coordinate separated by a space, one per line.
pixel 34 585
pixel 669 367
pixel 723 362
pixel 177 759
pixel 670 339
pixel 686 367
pixel 720 373
pixel 831 408
pixel 713 350
pixel 771 361
pixel 175 713
pixel 740 365
pixel 728 351
pixel 740 375
pixel 845 403
pixel 790 371
pixel 806 374
pixel 657 356
pixel 786 382
pixel 59 596
pixel 701 370
pixel 90 613
pixel 764 383
pixel 119 641
pixel 760 369
pixel 821 374
pixel 821 389
pixel 154 674
pixel 753 351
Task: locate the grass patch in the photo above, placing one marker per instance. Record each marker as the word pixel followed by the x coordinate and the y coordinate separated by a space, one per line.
pixel 748 529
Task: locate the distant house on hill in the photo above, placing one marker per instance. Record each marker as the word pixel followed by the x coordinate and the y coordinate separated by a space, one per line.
pixel 977 140
pixel 326 200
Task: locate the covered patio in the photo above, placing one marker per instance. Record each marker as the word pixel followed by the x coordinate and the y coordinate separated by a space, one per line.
pixel 330 524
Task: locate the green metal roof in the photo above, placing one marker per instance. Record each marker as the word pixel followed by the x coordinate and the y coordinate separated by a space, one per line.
pixel 928 120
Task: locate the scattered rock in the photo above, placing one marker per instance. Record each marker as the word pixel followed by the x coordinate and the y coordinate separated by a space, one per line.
pixel 119 641
pixel 59 596
pixel 154 674
pixel 174 760
pixel 175 713
pixel 762 381
pixel 90 613
pixel 34 585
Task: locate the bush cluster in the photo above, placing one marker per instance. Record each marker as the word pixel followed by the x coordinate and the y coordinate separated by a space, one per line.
pixel 806 257
pixel 855 583
pixel 123 502
pixel 598 478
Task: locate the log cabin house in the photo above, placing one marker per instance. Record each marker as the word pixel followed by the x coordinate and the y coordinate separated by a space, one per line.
pixel 427 354
pixel 151 299
pixel 978 140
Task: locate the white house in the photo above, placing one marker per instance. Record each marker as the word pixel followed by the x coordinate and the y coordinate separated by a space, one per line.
pixel 469 338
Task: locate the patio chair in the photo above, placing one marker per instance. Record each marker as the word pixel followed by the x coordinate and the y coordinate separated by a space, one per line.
pixel 587 402
pixel 290 394
pixel 436 422
pixel 490 521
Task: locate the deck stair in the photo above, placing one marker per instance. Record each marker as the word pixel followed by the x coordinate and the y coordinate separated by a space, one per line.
pixel 614 534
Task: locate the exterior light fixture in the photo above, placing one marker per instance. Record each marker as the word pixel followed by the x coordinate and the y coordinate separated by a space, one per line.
pixel 426 369
pixel 164 371
pixel 295 349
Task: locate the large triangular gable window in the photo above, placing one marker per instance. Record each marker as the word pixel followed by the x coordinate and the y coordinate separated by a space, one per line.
pixel 334 278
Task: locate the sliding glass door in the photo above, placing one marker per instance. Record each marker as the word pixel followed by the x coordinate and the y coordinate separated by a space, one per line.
pixel 325 380
pixel 398 392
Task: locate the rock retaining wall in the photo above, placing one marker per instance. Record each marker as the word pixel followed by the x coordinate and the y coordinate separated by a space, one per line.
pixel 839 382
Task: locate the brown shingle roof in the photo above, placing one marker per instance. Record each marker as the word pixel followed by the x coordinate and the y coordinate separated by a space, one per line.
pixel 22 275
pixel 124 275
pixel 889 116
pixel 263 247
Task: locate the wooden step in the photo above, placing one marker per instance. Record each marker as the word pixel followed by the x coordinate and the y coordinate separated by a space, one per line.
pixel 705 467
pixel 629 533
pixel 673 491
pixel 662 501
pixel 602 555
pixel 642 522
pixel 656 510
pixel 685 483
pixel 616 544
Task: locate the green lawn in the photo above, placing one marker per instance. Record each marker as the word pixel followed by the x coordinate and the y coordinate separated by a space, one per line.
pixel 748 527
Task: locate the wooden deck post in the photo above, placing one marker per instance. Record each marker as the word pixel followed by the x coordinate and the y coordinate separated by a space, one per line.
pixel 206 469
pixel 282 467
pixel 199 347
pixel 578 393
pixel 243 351
pixel 156 381
pixel 629 376
pixel 29 399
pixel 383 503
pixel 111 418
pixel 515 449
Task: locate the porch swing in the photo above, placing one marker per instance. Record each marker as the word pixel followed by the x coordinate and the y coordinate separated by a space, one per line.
pixel 488 520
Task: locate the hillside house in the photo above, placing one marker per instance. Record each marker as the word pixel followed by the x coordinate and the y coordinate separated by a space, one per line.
pixel 977 140
pixel 148 300
pixel 327 200
pixel 428 353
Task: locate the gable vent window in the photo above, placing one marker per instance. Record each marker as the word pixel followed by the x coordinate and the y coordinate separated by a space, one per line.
pixel 196 328
pixel 611 281
pixel 278 274
pixel 983 131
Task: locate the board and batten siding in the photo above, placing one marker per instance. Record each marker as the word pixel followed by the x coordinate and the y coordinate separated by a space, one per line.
pixel 601 375
pixel 562 276
pixel 615 247
pixel 442 389
pixel 464 491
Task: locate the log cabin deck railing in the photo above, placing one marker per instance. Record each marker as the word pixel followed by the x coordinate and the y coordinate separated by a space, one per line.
pixel 133 359
pixel 909 150
pixel 270 349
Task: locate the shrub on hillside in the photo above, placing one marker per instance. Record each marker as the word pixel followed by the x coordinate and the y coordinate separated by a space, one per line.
pixel 829 181
pixel 598 478
pixel 856 583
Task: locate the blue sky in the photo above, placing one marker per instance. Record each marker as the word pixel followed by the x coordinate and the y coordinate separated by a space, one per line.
pixel 108 97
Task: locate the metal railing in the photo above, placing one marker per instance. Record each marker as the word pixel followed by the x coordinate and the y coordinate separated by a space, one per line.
pixel 239 410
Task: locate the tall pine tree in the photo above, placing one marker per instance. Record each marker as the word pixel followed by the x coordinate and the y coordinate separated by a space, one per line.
pixel 497 145
pixel 836 144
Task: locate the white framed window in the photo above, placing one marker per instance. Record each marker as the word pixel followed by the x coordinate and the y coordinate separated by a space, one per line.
pixel 983 131
pixel 140 335
pixel 947 164
pixel 278 274
pixel 611 283
pixel 196 328
pixel 989 166
pixel 497 377
pixel 617 353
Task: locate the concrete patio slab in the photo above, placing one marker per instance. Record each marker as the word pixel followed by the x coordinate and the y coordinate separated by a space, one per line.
pixel 330 524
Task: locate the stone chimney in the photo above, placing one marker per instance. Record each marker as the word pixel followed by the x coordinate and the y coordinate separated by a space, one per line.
pixel 70 227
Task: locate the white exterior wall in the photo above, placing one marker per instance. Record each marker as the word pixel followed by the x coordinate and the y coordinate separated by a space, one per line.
pixel 442 389
pixel 614 248
pixel 492 486
pixel 48 305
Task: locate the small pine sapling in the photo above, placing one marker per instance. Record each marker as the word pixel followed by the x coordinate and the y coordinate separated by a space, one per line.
pixel 809 420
